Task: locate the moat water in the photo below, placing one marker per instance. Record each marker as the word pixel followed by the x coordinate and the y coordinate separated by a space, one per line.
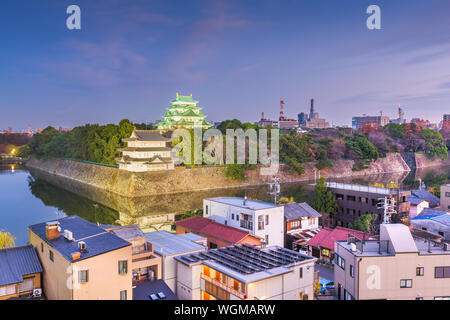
pixel 27 198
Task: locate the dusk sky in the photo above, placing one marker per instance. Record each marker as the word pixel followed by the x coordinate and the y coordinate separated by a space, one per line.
pixel 239 58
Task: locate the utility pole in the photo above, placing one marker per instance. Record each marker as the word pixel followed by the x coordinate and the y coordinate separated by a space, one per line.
pixel 274 189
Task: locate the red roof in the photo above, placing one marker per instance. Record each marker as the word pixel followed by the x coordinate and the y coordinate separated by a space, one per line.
pixel 326 237
pixel 212 228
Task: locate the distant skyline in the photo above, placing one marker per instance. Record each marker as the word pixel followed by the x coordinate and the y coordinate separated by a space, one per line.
pixel 238 58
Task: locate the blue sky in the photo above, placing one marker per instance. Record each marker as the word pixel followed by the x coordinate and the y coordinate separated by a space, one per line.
pixel 239 58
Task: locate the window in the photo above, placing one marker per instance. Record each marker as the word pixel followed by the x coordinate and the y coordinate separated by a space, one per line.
pixel 442 272
pixel 267 239
pixel 267 220
pixel 232 216
pixel 83 276
pixel 295 224
pixel 419 298
pixel 301 272
pixel 7 290
pixel 352 271
pixel 351 198
pixel 419 271
pixel 447 194
pixel 123 267
pixel 206 210
pixel 212 245
pixel 123 295
pixel 339 261
pixel 441 233
pixel 348 296
pixel 406 283
pixel 260 222
pixel 50 253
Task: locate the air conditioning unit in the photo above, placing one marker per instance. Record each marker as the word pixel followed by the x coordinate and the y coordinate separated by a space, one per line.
pixel 68 235
pixel 37 292
pixel 81 245
pixel 353 247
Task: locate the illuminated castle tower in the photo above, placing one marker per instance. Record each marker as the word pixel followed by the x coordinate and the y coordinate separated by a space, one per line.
pixel 183 113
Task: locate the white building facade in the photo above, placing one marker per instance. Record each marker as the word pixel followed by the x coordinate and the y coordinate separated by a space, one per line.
pixel 265 220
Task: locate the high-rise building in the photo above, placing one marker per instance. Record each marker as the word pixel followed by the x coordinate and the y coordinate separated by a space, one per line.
pixel 358 122
pixel 446 117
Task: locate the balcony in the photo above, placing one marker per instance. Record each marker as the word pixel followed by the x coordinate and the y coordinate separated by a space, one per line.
pixel 142 251
pixel 223 286
pixel 247 224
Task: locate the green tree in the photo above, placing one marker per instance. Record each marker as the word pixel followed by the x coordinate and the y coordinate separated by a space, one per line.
pixel 435 144
pixel 363 223
pixel 6 240
pixel 395 130
pixel 323 200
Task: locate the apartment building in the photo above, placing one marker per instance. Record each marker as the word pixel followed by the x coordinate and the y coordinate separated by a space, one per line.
pixel 263 219
pixel 244 272
pixel 82 261
pixel 357 200
pixel 146 265
pixel 445 197
pixel 398 266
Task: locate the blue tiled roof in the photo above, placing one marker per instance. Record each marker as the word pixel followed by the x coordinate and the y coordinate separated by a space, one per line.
pixel 423 194
pixel 97 240
pixel 142 291
pixel 414 200
pixel 16 263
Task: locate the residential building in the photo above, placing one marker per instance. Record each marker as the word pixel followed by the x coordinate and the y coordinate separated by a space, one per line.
pixel 438 223
pixel 244 272
pixel 20 272
pixel 218 235
pixel 145 265
pixel 445 197
pixel 301 224
pixel 357 200
pixel 147 150
pixel 446 117
pixel 168 245
pixel 262 219
pixel 432 200
pixel 358 122
pixel 397 266
pixel 183 113
pixel 417 206
pixel 82 261
pixel 321 245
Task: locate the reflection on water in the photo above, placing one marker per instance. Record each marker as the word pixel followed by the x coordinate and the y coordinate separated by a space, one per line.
pixel 159 212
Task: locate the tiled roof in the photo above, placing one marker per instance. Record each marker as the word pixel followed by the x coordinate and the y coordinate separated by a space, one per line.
pixel 326 237
pixel 98 240
pixel 147 135
pixel 423 194
pixel 16 263
pixel 299 210
pixel 414 200
pixel 212 228
pixel 431 212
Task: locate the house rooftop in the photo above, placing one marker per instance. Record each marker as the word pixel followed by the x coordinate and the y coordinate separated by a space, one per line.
pixel 146 135
pixel 247 263
pixel 239 202
pixel 212 228
pixel 166 243
pixel 130 232
pixel 299 210
pixel 15 263
pixel 326 237
pixel 395 238
pixel 97 239
pixel 425 195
